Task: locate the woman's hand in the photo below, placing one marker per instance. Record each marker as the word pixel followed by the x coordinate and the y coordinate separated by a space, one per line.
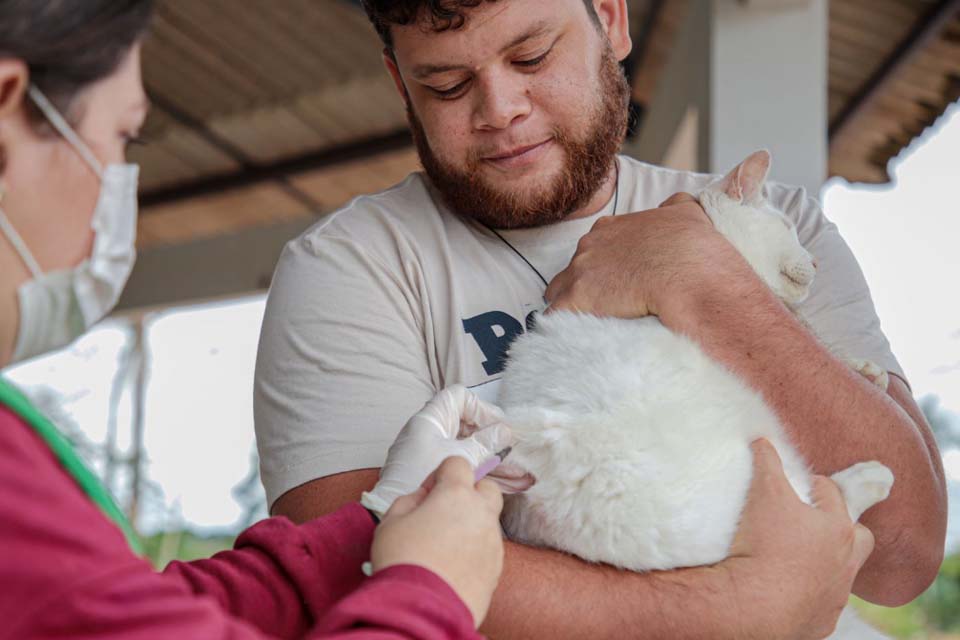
pixel 440 518
pixel 450 526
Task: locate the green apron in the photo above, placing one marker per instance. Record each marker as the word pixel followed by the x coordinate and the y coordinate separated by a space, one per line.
pixel 72 463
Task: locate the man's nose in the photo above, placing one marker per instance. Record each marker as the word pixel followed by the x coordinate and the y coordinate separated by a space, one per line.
pixel 501 101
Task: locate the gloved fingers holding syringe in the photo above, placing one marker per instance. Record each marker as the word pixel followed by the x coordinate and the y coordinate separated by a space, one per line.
pixel 454 423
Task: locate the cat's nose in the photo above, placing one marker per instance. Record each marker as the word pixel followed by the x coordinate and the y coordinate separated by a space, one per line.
pixel 815 265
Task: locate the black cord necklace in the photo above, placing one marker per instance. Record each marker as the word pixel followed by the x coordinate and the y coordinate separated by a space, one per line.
pixel 616 201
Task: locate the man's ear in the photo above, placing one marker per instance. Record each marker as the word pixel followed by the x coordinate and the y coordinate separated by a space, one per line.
pixel 616 24
pixel 391 64
pixel 14 76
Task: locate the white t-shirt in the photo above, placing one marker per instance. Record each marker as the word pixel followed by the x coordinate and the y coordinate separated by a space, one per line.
pixel 386 301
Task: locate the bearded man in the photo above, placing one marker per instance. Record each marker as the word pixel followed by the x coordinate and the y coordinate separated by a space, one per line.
pixel 518 109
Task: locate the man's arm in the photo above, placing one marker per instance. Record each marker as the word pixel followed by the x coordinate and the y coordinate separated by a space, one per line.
pixel 836 418
pixel 342 362
pixel 324 495
pixel 551 595
pixel 682 270
pixel 542 593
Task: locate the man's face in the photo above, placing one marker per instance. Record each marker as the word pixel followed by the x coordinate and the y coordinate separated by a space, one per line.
pixel 517 115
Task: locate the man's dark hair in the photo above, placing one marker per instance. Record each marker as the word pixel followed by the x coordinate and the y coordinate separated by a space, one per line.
pixel 70 44
pixel 441 14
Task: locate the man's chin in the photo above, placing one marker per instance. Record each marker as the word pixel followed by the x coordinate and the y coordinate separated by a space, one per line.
pixel 525 211
pixel 509 201
pixel 523 194
pixel 546 156
pixel 523 182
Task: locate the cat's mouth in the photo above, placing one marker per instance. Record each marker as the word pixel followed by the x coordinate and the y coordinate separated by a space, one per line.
pixel 793 280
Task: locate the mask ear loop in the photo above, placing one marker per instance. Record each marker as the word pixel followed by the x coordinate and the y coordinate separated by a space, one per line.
pixel 64 129
pixel 18 244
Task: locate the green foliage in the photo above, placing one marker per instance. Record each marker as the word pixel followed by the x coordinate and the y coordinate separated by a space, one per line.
pixel 161 548
pixel 942 600
pixel 935 614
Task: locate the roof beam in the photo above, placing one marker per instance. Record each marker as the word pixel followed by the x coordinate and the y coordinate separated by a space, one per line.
pixel 925 30
pixel 196 125
pixel 280 171
pixel 222 144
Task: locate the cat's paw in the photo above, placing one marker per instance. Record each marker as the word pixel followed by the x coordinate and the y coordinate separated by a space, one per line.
pixel 863 485
pixel 871 371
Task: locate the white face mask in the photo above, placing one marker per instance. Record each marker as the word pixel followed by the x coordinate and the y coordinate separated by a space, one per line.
pixel 57 307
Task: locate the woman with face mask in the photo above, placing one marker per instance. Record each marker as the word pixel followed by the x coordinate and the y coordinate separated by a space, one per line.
pixel 71 99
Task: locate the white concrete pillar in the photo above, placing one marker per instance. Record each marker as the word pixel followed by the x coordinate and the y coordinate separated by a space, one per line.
pixel 768 86
pixel 744 75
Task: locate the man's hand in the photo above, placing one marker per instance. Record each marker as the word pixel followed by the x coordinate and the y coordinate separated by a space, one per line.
pixel 792 565
pixel 637 264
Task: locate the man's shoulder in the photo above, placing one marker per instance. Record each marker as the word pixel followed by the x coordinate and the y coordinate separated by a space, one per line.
pixel 649 184
pixel 652 182
pixel 403 214
pixel 655 171
pixel 405 204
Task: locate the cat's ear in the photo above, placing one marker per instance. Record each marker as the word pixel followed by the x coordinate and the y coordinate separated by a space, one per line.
pixel 745 182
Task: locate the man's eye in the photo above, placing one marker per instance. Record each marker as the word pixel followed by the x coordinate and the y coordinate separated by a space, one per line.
pixel 452 92
pixel 532 62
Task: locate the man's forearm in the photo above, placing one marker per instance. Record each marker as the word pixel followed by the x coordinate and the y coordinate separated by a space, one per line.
pixel 836 418
pixel 551 595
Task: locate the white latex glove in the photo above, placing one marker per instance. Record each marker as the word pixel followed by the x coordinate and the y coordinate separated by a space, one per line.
pixel 454 423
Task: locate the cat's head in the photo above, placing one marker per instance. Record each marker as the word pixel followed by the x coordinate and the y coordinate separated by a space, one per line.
pixel 762 234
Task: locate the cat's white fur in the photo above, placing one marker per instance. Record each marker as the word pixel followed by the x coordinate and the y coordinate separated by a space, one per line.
pixel 639 442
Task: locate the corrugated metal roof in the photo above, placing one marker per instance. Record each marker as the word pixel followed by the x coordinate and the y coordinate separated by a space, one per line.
pixel 881 41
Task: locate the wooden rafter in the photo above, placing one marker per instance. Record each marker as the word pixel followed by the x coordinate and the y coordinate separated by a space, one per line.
pixel 279 171
pixel 929 27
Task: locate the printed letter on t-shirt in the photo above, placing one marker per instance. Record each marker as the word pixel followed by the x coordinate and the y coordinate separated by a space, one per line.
pixel 493 331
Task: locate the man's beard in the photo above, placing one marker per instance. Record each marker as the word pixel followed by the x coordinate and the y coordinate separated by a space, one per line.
pixel 587 166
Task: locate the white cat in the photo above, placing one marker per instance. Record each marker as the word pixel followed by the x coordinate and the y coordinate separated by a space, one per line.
pixel 639 442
